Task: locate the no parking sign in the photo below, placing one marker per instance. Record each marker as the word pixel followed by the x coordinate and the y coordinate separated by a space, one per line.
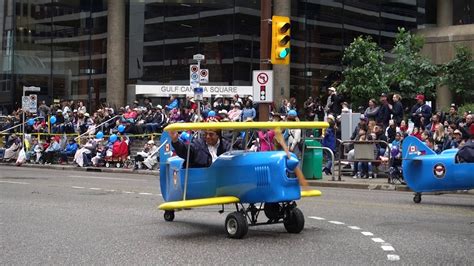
pixel 262 86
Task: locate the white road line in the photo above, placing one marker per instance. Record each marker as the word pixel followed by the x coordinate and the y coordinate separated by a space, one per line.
pixel 128 192
pixel 354 227
pixel 159 195
pixel 336 222
pixel 110 190
pixel 12 182
pixel 95 188
pixel 106 178
pixel 367 233
pixel 145 193
pixel 77 187
pixel 378 240
pixel 317 218
pixel 387 248
pixel 393 257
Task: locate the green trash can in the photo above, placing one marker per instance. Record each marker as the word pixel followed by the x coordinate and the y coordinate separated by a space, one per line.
pixel 313 160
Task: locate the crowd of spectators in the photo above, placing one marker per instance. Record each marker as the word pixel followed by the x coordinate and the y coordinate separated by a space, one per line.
pixel 383 119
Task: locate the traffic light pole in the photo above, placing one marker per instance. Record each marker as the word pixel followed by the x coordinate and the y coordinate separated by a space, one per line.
pixel 265 42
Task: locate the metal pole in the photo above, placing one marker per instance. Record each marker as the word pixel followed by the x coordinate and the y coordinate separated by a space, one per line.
pixel 23 122
pixel 199 101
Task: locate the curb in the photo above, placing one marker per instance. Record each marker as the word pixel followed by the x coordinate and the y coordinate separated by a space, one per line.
pixel 352 185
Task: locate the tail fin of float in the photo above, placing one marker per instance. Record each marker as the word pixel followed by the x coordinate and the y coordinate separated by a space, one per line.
pixel 413 147
pixel 166 151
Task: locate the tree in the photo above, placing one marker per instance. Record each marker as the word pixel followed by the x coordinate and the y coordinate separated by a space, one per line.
pixel 410 73
pixel 364 73
pixel 458 74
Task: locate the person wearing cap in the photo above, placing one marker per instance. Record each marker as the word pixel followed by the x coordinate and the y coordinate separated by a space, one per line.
pixel 53 149
pixel 69 150
pixel 293 135
pixel 203 150
pixel 420 113
pixel 361 125
pixel 456 140
pixel 147 157
pixel 235 113
pixel 58 127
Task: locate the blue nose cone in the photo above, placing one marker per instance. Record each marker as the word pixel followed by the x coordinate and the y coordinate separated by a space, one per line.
pixel 292 163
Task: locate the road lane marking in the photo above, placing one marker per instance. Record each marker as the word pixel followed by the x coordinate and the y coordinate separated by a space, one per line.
pixel 95 188
pixel 128 192
pixel 106 178
pixel 13 182
pixel 110 190
pixel 114 190
pixel 145 193
pixel 387 248
pixel 77 187
pixel 378 240
pixel 312 217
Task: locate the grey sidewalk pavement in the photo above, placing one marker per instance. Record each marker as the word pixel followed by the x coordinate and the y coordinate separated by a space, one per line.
pixel 326 181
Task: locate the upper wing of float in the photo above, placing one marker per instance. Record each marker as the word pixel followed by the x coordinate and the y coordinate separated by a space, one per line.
pixel 244 125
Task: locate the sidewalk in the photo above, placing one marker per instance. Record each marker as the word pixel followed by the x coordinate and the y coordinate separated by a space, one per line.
pixel 346 181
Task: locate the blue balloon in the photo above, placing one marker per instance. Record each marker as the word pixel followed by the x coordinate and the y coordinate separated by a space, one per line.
pixel 52 120
pixel 121 128
pixel 99 135
pixel 113 138
pixel 211 113
pixel 184 136
pixel 31 121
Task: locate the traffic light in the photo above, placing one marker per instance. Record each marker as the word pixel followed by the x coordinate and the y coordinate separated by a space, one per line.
pixel 280 40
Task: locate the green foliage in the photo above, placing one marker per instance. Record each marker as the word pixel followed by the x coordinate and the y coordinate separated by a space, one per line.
pixel 466 107
pixel 458 74
pixel 364 73
pixel 411 73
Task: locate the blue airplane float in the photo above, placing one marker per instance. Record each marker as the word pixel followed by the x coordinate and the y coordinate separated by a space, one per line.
pixel 252 181
pixel 426 171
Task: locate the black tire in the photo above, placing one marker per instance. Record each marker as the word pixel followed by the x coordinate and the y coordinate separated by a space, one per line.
pixel 294 222
pixel 417 198
pixel 272 210
pixel 236 225
pixel 169 216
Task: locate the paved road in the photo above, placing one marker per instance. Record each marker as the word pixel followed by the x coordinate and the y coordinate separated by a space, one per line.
pixel 70 217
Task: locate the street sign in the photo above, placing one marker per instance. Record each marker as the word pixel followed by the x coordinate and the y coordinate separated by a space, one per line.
pixel 33 107
pixel 198 92
pixel 194 74
pixel 262 86
pixel 31 88
pixel 204 75
pixel 198 57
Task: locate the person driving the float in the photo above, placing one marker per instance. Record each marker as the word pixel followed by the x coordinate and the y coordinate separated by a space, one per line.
pixel 203 151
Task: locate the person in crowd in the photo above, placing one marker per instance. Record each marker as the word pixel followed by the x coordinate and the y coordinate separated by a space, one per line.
pixel 404 127
pixel 309 109
pixel 396 109
pixel 203 151
pixel 52 150
pixel 266 140
pixel 440 139
pixel 248 111
pixel 466 153
pixel 68 151
pixel 81 108
pixel 218 103
pixel 435 123
pixel 383 115
pixel 173 104
pixel 420 113
pixel 147 158
pixel 391 130
pixel 284 107
pixel 293 136
pixel 235 113
pixel 372 111
pixel 333 103
pixel 329 141
pixel 13 147
pixel 452 117
pixel 362 169
pixel 43 109
pixel 465 125
pixel 457 140
pixel 416 133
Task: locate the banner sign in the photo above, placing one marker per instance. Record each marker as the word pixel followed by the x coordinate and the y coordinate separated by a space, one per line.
pixel 168 90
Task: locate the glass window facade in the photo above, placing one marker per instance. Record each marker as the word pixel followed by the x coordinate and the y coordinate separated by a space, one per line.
pixel 61 45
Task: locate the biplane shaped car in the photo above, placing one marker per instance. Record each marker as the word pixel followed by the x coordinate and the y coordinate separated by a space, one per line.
pixel 252 181
pixel 426 171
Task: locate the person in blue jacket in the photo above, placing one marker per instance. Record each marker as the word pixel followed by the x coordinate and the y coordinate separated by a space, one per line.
pixel 329 141
pixel 70 150
pixel 203 151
